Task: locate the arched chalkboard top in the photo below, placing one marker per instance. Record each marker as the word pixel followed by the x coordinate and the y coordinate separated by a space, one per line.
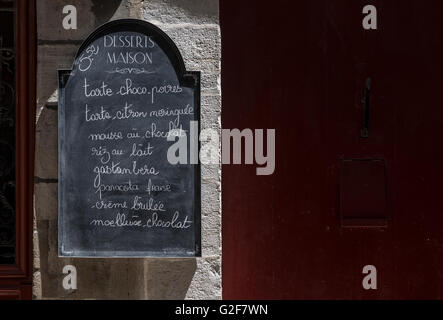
pixel 135 25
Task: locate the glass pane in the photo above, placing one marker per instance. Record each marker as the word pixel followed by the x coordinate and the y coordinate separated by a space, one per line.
pixel 7 132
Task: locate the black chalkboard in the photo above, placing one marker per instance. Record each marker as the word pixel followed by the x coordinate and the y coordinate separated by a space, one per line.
pixel 118 194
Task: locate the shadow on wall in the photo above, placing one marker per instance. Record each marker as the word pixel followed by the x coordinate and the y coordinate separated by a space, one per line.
pixel 97 278
pixel 206 9
pixel 57 46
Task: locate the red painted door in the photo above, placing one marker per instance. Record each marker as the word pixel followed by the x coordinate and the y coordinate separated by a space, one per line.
pixel 337 201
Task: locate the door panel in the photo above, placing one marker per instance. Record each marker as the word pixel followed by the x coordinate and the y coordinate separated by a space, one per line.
pixel 302 69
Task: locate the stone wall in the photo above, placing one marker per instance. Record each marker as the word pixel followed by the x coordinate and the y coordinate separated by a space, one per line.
pixel 194 26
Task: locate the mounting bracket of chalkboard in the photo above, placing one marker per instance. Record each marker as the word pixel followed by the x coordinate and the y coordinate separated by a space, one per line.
pixel 63 76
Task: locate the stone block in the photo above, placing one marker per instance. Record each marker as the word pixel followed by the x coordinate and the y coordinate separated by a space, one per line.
pixel 45 206
pixel 206 283
pixel 46 147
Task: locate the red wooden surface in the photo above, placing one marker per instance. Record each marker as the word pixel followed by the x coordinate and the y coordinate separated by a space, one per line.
pixel 16 280
pixel 301 67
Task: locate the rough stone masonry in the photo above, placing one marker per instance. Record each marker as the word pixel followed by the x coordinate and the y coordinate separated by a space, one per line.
pixel 194 26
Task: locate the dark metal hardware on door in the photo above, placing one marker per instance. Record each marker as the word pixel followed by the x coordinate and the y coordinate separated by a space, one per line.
pixel 364 133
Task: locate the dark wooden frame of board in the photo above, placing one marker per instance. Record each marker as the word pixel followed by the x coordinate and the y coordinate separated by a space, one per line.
pixel 186 79
pixel 16 280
